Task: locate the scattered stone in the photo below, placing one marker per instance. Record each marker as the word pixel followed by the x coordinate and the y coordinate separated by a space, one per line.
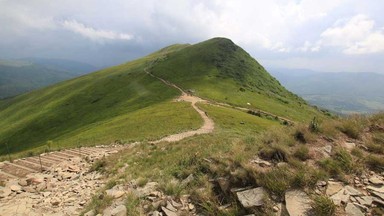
pixel 378 202
pixel 191 207
pixel 333 187
pixel 15 188
pixel 376 181
pixel 352 210
pixel 377 189
pixel 5 192
pixel 176 204
pixel 377 194
pixel 297 202
pixel 223 183
pixel 349 145
pixel 275 209
pixel 251 198
pixel 321 183
pixel 282 164
pixel 119 210
pixel 115 192
pixel 23 182
pixel 352 191
pixel 365 200
pixel 55 201
pixel 90 213
pixel 170 207
pixel 188 180
pixel 340 197
pixel 261 162
pixel 168 212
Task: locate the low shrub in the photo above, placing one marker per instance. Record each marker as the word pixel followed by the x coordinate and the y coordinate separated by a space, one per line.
pixel 357 152
pixel 375 148
pixel 302 153
pixel 98 165
pixel 344 160
pixel 375 162
pixel 276 181
pixel 353 126
pixel 275 153
pixel 323 206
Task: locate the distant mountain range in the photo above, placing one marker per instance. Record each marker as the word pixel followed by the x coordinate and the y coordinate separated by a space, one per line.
pixel 20 76
pixel 342 92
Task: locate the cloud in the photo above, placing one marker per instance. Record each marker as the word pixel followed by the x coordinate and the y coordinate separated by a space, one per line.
pixel 310 47
pixel 355 36
pixel 94 34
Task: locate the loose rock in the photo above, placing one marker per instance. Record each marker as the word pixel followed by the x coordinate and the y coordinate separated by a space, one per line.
pixel 251 198
pixel 297 202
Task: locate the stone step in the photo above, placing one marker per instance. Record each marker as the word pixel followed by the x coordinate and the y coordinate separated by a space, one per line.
pixel 54 158
pixel 4 175
pixel 73 151
pixel 72 154
pixel 34 165
pixel 64 155
pixel 24 163
pixel 87 151
pixel 16 170
pixel 43 161
pixel 20 166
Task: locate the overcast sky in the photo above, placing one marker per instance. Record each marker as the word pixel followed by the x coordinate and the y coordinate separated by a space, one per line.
pixel 322 35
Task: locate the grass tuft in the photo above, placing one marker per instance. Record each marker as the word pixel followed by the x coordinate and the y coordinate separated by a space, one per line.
pixel 323 206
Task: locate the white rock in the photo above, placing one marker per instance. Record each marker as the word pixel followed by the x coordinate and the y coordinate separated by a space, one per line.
pixel 352 191
pixel 15 188
pixel 251 198
pixel 376 181
pixel 377 189
pixel 120 210
pixel 365 200
pixel 168 212
pixel 352 210
pixel 297 203
pixel 333 187
pixel 340 197
pixel 4 192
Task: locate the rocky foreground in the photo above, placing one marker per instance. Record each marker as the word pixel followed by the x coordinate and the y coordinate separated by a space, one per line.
pixel 64 189
pixel 68 187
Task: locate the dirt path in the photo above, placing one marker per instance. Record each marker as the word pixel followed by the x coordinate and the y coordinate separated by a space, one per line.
pixel 208 125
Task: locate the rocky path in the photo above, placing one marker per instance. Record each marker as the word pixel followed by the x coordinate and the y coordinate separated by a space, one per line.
pixel 64 188
pixel 20 168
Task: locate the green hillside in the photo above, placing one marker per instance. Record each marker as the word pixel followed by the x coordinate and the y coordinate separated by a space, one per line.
pixel 20 76
pixel 220 70
pixel 118 103
pixel 125 104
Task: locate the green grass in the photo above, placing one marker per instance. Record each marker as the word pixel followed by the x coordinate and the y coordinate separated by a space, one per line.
pixel 323 206
pixel 218 69
pixel 118 103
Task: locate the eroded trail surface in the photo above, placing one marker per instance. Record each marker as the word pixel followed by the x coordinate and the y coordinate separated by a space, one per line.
pixel 207 127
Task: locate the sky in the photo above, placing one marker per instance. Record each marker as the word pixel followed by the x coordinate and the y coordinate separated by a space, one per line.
pixel 320 35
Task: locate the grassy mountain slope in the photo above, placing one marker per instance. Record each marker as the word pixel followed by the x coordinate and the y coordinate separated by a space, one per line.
pixel 124 103
pixel 21 76
pixel 220 70
pixel 120 102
